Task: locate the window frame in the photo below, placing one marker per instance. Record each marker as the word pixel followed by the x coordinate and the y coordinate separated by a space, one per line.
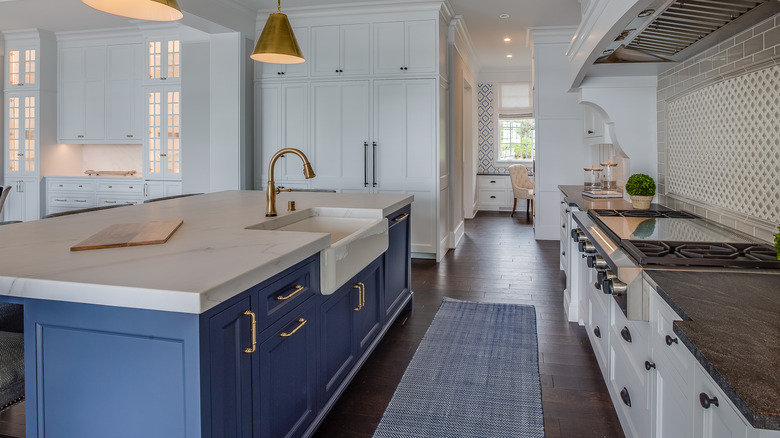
pixel 497 161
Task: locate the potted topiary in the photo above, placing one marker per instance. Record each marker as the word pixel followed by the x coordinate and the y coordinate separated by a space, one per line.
pixel 641 188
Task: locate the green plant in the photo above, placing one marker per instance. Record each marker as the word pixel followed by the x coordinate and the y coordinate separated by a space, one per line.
pixel 640 184
pixel 777 242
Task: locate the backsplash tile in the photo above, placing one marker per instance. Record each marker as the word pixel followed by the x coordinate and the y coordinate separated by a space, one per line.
pixel 719 132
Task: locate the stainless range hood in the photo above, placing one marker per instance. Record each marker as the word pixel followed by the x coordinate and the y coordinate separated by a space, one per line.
pixel 675 30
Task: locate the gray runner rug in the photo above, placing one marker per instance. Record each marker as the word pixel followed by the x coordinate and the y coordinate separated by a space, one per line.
pixel 475 374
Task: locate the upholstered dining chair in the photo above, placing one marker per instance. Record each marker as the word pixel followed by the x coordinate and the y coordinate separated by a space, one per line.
pixel 522 187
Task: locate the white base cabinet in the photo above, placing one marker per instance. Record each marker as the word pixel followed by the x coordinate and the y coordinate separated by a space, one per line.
pixel 23 202
pixel 494 193
pixel 76 193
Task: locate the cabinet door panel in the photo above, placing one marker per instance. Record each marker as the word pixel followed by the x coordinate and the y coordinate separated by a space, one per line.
pixel 123 110
pixel 341 130
pixel 296 128
pixel 325 50
pixel 287 375
pixel 721 421
pixel 421 46
pixel 673 407
pixel 231 372
pixel 337 328
pixel 269 116
pixel 389 47
pixel 369 317
pixel 355 49
pixel 397 262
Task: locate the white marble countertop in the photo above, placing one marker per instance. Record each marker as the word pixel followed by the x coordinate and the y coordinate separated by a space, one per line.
pixel 209 259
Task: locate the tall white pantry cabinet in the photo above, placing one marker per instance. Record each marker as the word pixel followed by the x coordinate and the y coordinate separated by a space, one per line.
pixel 29 111
pixel 368 107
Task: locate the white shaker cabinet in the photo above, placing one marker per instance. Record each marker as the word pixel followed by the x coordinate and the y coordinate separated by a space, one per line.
pixel 405 47
pixel 284 117
pixel 594 129
pixel 81 99
pixel 713 414
pixel 23 202
pixel 279 71
pixel 162 151
pixel 341 50
pixel 341 149
pixel 405 123
pixel 124 103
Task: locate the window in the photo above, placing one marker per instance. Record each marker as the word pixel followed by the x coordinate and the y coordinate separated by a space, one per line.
pixel 516 139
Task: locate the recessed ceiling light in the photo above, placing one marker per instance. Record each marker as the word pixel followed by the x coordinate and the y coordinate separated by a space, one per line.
pixel 508 56
pixel 646 13
pixel 507 39
pixel 503 16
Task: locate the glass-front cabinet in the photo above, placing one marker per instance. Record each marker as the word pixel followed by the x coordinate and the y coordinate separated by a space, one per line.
pixel 163 139
pixel 163 60
pixel 22 68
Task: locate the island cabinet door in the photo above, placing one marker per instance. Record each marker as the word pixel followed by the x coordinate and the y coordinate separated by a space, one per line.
pixel 370 312
pixel 287 366
pixel 337 346
pixel 397 260
pixel 232 352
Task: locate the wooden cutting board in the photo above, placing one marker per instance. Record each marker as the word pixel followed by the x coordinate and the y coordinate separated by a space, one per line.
pixel 140 233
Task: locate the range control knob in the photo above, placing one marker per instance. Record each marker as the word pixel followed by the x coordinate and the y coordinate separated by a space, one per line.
pixel 596 261
pixel 616 288
pixel 606 274
pixel 587 246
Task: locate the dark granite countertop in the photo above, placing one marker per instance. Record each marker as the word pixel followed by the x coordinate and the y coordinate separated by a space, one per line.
pixel 732 327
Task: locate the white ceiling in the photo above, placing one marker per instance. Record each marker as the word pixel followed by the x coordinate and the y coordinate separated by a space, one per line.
pixel 481 17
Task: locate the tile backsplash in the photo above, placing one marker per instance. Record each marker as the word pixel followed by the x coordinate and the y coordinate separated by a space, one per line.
pixel 486 111
pixel 112 157
pixel 719 132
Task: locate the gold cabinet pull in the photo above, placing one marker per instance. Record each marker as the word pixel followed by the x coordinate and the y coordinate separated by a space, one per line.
pixel 302 322
pixel 401 217
pixel 298 288
pixel 254 332
pixel 360 297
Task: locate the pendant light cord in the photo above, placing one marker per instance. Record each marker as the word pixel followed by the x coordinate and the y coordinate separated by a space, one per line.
pixel 279 6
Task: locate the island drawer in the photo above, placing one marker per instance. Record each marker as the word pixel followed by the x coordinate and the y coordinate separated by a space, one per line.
pixel 286 293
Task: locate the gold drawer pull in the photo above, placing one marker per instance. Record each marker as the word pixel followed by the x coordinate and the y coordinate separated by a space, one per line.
pixel 254 332
pixel 298 288
pixel 401 217
pixel 302 322
pixel 361 296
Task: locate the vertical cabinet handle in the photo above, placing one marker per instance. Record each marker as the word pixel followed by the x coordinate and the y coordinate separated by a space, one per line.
pixel 146 189
pixel 361 296
pixel 706 401
pixel 301 322
pixel 365 164
pixel 374 173
pixel 254 332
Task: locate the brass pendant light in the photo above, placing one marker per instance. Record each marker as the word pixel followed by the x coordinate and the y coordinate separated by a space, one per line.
pixel 153 10
pixel 277 44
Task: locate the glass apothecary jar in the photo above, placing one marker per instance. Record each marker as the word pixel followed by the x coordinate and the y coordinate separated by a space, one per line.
pixel 609 177
pixel 592 179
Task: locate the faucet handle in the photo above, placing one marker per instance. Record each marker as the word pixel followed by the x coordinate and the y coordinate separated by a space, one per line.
pixel 278 190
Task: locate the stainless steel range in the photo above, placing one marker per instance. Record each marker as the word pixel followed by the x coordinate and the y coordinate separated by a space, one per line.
pixel 622 243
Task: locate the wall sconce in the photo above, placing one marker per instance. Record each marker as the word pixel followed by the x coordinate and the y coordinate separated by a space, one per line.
pixel 153 10
pixel 277 44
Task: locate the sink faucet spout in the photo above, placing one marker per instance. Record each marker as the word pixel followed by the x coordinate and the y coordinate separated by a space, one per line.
pixel 271 190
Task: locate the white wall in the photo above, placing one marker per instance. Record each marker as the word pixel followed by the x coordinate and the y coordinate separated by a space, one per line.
pixel 628 106
pixel 560 152
pixel 195 109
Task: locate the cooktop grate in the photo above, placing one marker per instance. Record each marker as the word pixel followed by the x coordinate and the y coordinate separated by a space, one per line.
pixel 712 254
pixel 646 213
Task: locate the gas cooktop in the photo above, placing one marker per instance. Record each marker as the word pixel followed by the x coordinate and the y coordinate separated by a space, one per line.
pixel 712 254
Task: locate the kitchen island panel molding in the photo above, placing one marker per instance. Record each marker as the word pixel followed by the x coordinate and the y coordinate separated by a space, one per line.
pixel 723 89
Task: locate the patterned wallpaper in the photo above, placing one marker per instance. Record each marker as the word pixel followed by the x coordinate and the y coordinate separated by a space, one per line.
pixel 719 132
pixel 487 129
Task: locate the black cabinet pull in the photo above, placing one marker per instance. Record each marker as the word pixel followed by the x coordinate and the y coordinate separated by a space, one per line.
pixel 590 132
pixel 374 175
pixel 365 164
pixel 568 211
pixel 626 334
pixel 492 197
pixel 670 340
pixel 492 182
pixel 563 253
pixel 597 332
pixel 597 285
pixel 625 397
pixel 706 401
pixel 649 365
pixel 563 226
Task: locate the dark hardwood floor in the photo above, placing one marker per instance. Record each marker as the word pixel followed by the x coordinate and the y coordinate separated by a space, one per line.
pixel 498 260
